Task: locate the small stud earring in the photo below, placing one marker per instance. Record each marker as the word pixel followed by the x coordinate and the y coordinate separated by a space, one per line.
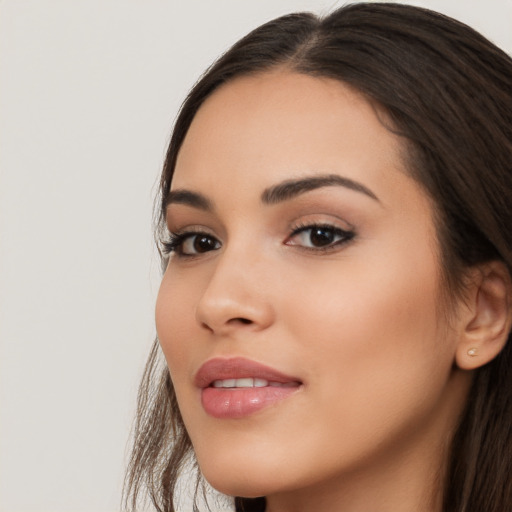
pixel 472 352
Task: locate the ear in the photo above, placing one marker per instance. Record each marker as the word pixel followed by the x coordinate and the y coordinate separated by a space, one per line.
pixel 487 317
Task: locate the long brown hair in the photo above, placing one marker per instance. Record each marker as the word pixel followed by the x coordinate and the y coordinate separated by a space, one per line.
pixel 448 92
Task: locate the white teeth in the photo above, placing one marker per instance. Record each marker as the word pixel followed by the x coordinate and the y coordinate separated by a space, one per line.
pixel 243 383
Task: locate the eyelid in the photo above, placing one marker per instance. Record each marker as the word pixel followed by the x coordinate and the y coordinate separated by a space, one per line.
pixel 341 236
pixel 346 236
pixel 176 239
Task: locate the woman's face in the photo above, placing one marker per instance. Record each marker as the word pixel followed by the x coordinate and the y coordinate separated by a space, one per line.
pixel 300 310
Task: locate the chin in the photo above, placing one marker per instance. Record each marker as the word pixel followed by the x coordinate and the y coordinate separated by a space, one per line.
pixel 243 477
pixel 238 483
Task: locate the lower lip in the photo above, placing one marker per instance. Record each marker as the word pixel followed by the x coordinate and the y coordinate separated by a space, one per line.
pixel 240 402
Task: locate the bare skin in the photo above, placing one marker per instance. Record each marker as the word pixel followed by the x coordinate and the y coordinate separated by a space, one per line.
pixel 335 282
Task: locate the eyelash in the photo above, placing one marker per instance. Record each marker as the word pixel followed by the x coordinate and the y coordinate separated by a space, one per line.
pixel 175 242
pixel 345 236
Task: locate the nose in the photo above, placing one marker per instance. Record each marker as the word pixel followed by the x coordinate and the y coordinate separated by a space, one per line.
pixel 236 298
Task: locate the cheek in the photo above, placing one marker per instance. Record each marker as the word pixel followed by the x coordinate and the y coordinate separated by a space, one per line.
pixel 173 314
pixel 366 305
pixel 372 338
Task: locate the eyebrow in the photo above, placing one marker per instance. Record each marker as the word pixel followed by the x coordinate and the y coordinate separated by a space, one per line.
pixel 291 188
pixel 189 198
pixel 277 193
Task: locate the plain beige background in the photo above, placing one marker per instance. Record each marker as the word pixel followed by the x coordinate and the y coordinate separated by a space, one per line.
pixel 88 93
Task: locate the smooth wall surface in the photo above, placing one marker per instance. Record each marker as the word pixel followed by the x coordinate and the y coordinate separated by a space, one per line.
pixel 88 93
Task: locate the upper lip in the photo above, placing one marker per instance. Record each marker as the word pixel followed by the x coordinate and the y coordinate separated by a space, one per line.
pixel 237 368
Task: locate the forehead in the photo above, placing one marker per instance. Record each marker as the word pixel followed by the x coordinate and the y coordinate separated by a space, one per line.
pixel 265 128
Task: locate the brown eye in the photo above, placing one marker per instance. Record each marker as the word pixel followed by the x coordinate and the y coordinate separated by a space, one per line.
pixel 201 243
pixel 319 237
pixel 190 244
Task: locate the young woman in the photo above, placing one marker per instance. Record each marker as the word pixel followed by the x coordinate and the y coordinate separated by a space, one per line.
pixel 336 303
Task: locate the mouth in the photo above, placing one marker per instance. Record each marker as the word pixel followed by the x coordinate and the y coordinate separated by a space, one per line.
pixel 251 382
pixel 238 387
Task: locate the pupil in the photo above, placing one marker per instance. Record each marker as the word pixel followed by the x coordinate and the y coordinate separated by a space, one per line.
pixel 321 236
pixel 203 244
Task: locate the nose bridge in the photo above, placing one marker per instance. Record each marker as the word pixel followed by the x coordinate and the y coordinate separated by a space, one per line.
pixel 236 294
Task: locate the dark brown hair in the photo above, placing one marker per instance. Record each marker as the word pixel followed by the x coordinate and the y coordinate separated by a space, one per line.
pixel 448 92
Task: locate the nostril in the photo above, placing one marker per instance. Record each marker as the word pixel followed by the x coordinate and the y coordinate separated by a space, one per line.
pixel 233 322
pixel 245 321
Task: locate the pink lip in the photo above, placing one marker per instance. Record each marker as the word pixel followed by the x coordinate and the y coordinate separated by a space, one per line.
pixel 240 402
